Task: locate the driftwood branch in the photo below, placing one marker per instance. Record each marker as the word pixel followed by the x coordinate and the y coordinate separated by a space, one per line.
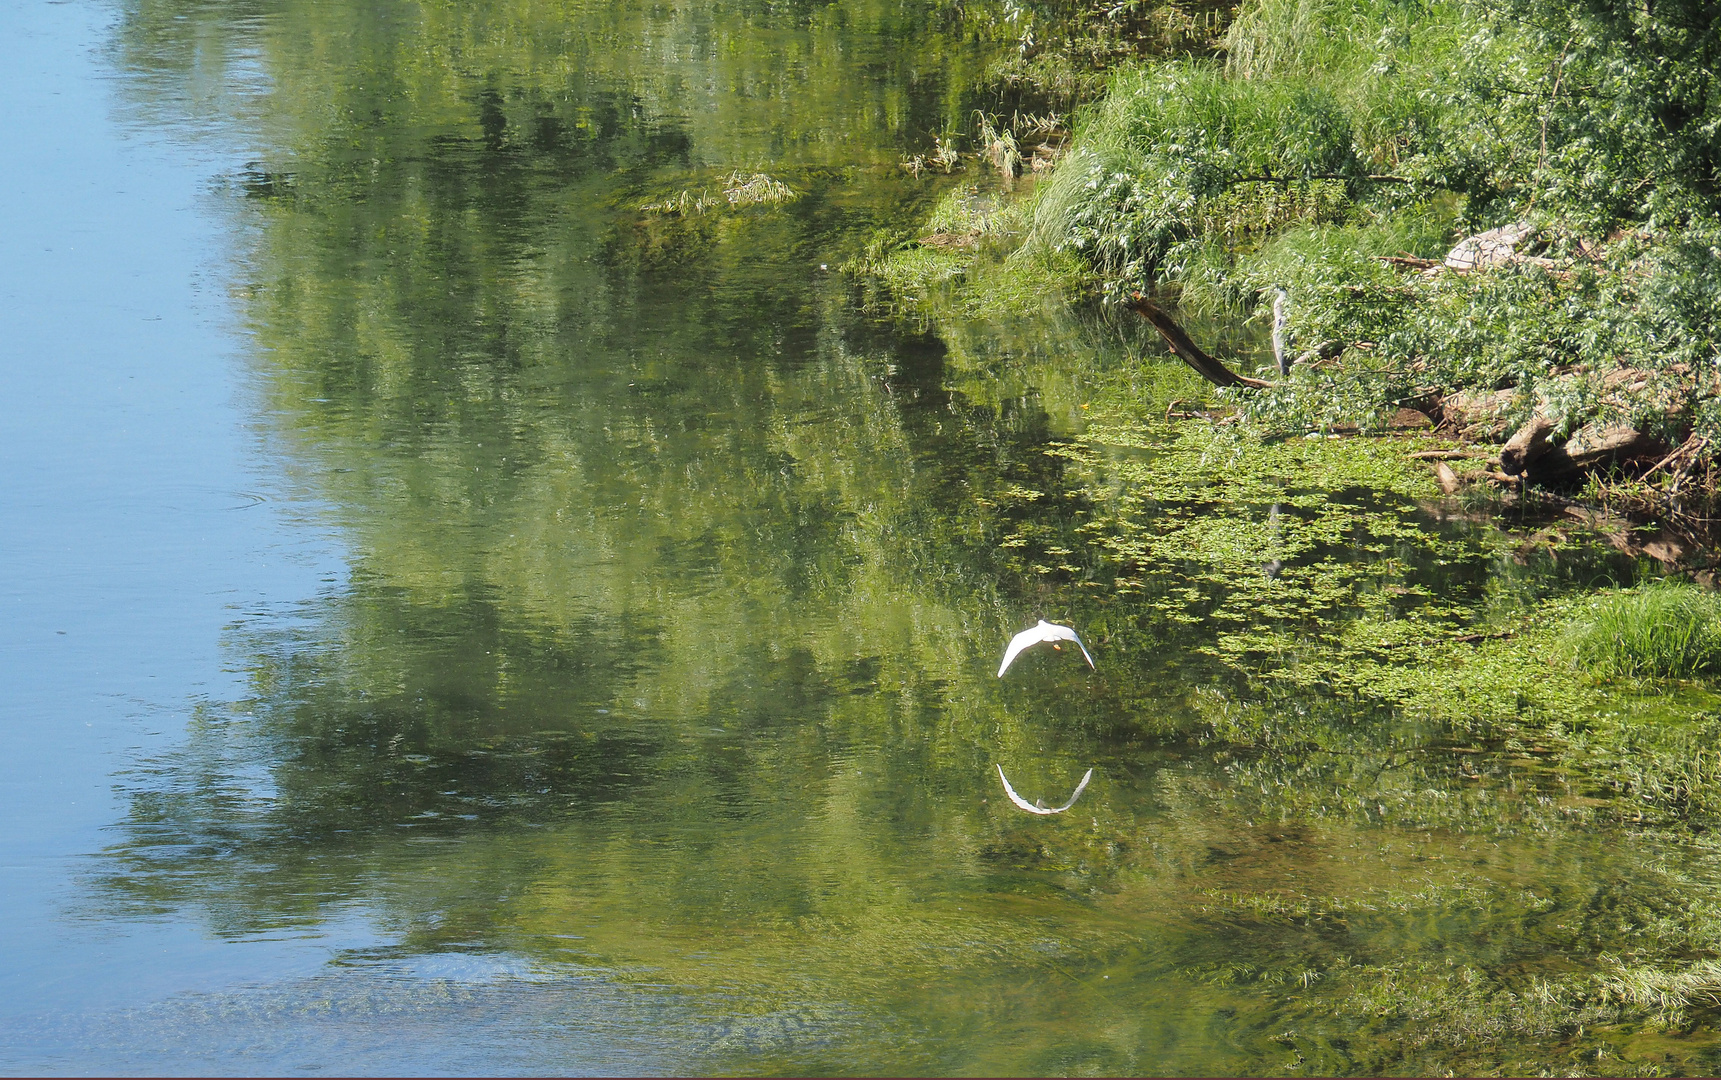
pixel 1530 453
pixel 1448 478
pixel 1190 353
pixel 1405 262
pixel 1691 443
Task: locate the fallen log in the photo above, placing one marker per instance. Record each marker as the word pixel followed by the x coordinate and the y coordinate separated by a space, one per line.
pixel 1190 353
pixel 1496 247
pixel 1476 414
pixel 1593 447
pixel 1526 445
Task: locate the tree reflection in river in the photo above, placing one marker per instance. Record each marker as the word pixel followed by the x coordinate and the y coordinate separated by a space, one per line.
pixel 676 584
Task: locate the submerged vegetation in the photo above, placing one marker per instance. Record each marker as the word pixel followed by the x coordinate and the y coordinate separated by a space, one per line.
pixel 739 190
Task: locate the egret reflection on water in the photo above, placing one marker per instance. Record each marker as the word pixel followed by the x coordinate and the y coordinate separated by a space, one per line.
pixel 1034 635
pixel 1035 807
pixel 1043 631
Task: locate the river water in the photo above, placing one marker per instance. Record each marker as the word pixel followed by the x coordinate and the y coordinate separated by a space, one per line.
pixel 457 620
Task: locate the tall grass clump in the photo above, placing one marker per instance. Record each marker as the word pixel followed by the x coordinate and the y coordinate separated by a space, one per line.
pixel 1667 629
pixel 1180 156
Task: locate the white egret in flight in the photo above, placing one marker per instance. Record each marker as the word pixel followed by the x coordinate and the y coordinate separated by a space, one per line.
pixel 1045 631
pixel 1035 807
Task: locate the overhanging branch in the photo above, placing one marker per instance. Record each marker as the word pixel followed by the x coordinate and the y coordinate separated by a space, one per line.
pixel 1190 353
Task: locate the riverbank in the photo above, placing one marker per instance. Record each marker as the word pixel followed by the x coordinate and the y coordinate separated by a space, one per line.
pixel 1502 227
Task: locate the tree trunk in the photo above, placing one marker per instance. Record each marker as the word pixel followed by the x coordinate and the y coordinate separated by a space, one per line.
pixel 1591 448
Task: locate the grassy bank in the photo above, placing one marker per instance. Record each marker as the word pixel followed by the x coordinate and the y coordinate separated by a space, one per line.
pixel 1323 173
pixel 1341 150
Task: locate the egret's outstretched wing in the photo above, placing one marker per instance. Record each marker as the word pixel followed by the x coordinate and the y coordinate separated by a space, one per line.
pixel 1085 653
pixel 1017 799
pixel 1076 794
pixel 1030 807
pixel 1065 633
pixel 1021 641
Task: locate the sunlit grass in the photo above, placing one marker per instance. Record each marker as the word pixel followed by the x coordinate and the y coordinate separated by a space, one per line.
pixel 1663 994
pixel 1666 629
pixel 744 190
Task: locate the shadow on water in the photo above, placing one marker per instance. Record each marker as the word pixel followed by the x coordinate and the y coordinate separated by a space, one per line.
pixel 663 680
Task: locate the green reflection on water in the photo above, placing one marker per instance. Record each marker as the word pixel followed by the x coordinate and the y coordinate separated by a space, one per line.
pixel 678 587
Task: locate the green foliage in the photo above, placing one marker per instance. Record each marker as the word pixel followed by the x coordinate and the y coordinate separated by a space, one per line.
pixel 1667 629
pixel 1159 170
pixel 1611 110
pixel 1339 133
